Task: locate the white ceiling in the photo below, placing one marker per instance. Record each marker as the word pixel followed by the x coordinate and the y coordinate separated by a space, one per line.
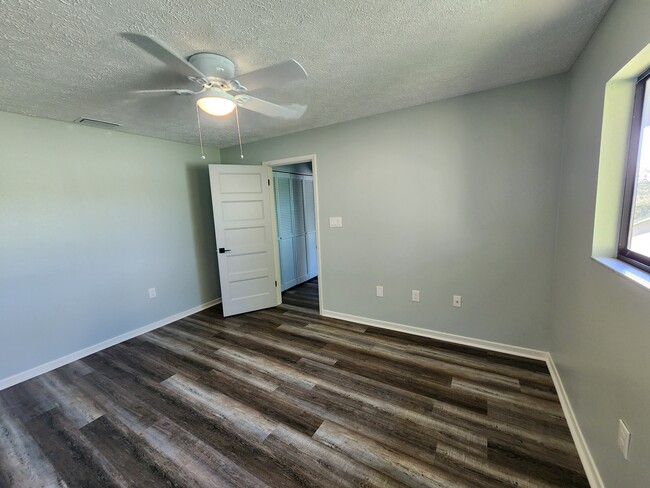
pixel 63 59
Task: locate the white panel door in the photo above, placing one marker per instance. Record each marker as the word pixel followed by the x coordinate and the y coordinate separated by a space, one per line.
pixel 299 234
pixel 300 253
pixel 310 227
pixel 245 242
pixel 284 216
pixel 312 255
pixel 287 264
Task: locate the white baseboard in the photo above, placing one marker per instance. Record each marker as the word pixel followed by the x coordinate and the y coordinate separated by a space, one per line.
pixel 62 361
pixel 443 336
pixel 581 444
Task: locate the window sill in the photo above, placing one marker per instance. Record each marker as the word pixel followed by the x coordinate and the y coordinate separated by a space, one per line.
pixel 627 271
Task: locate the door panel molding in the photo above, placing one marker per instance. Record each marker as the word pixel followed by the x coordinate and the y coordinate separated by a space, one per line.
pixel 244 218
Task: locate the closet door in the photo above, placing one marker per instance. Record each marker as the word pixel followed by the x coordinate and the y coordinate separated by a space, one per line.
pixel 299 233
pixel 310 227
pixel 284 215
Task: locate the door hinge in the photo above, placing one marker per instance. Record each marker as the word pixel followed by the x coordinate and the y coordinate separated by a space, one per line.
pixel 269 182
pixel 276 284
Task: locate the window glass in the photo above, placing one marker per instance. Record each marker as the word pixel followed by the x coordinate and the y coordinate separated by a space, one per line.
pixel 634 238
pixel 639 236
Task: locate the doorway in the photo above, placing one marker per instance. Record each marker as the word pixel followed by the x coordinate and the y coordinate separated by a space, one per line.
pixel 295 202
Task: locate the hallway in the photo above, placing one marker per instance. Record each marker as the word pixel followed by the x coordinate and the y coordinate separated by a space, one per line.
pixel 304 295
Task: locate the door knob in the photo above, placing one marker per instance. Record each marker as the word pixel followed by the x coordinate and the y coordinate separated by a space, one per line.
pixel 222 250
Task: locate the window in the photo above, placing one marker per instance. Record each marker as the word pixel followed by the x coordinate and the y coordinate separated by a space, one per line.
pixel 634 241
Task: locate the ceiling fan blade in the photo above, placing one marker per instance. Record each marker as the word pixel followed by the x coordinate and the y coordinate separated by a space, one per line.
pixel 164 54
pixel 271 109
pixel 272 75
pixel 178 91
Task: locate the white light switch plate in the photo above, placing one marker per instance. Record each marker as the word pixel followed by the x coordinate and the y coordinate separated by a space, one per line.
pixel 380 291
pixel 152 293
pixel 415 295
pixel 336 221
pixel 456 301
pixel 623 440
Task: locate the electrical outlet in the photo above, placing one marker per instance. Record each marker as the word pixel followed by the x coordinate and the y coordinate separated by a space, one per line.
pixel 152 293
pixel 380 291
pixel 456 301
pixel 415 295
pixel 623 440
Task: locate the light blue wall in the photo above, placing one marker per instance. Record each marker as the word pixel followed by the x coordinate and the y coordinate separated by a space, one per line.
pixel 600 332
pixel 89 220
pixel 454 197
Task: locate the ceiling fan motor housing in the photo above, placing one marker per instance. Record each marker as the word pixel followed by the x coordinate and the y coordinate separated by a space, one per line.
pixel 214 66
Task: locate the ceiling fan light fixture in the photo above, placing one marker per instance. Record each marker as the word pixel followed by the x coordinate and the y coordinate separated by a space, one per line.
pixel 218 103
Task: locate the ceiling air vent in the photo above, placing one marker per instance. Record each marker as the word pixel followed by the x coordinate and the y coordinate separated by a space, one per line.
pixel 96 123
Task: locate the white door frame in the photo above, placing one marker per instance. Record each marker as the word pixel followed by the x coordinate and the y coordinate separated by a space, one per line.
pixel 308 158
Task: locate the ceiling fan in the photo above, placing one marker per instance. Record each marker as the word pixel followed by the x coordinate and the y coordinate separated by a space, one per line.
pixel 215 75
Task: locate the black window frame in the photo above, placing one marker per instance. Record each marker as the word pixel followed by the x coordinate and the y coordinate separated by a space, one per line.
pixel 624 253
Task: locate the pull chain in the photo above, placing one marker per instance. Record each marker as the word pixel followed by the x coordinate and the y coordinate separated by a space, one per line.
pixel 241 150
pixel 198 123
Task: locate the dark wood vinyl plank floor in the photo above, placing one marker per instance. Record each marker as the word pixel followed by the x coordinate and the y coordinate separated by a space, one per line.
pixel 304 295
pixel 286 398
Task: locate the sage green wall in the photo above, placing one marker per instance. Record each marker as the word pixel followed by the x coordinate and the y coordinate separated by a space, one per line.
pixel 600 333
pixel 89 220
pixel 454 197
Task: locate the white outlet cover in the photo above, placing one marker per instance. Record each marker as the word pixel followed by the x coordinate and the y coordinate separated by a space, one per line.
pixel 152 293
pixel 415 295
pixel 380 291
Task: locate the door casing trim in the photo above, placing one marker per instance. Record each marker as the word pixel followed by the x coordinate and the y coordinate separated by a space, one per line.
pixel 307 158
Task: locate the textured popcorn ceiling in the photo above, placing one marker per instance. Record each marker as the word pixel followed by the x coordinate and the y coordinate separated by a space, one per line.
pixel 63 59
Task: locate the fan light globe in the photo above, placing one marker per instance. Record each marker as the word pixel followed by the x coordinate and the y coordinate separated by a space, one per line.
pixel 216 104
